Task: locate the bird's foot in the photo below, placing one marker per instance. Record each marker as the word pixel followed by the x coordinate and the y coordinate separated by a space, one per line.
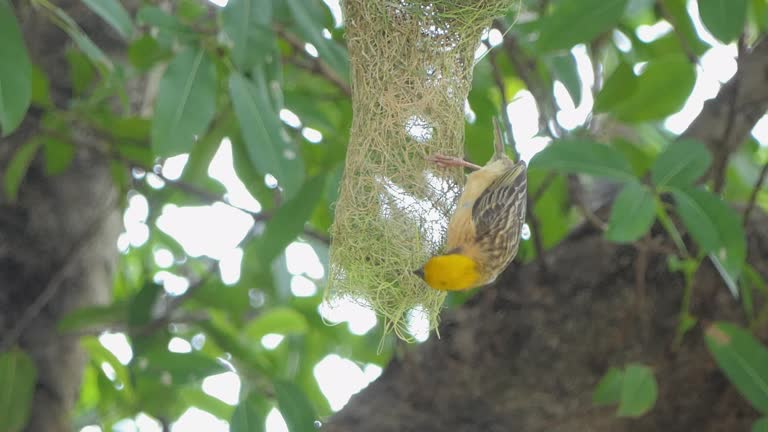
pixel 449 161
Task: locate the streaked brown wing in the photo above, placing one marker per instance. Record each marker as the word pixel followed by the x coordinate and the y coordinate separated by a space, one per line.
pixel 499 213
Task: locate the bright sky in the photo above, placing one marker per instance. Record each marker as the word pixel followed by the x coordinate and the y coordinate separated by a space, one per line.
pixel 340 378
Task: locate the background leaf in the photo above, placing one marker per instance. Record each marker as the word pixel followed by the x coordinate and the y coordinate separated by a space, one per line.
pixel 661 89
pixel 17 168
pixel 186 102
pixel 248 24
pixel 578 21
pixel 584 157
pixel 296 409
pixel 632 214
pixel 249 415
pixel 743 360
pixel 681 164
pixel 18 375
pixel 638 391
pixel 760 425
pixel 723 18
pixel 305 13
pixel 114 13
pixel 288 221
pixel 608 390
pixel 263 132
pixel 15 76
pixel 716 228
pixel 280 320
pixel 565 70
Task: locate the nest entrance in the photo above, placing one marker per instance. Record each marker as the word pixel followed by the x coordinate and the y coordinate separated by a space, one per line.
pixel 411 66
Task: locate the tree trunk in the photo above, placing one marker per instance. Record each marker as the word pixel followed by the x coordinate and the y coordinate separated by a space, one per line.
pixel 58 241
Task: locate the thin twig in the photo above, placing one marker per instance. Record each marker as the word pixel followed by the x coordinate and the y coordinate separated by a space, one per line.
pixel 72 259
pixel 755 190
pixel 538 244
pixel 578 192
pixel 544 186
pixel 526 70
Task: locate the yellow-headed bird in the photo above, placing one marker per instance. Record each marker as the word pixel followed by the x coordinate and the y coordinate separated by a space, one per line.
pixel 484 232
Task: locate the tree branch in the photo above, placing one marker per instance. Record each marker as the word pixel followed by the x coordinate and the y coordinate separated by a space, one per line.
pixel 755 190
pixel 725 121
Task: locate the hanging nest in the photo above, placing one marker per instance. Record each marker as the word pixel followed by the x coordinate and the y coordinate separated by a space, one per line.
pixel 411 71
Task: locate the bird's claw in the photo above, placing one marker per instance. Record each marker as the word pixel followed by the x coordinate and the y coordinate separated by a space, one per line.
pixel 450 161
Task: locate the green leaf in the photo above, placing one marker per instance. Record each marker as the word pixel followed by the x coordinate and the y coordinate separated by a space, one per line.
pixel 641 157
pixel 248 24
pixel 288 220
pixel 743 360
pixel 183 367
pixel 716 228
pixel 759 14
pixel 310 28
pixel 295 407
pixel 81 71
pixel 574 22
pixel 17 168
pixel 608 390
pixel 198 398
pixel 18 375
pixel 584 157
pixel 760 425
pixel 638 391
pixel 723 18
pixel 114 13
pixel 58 155
pixel 551 209
pixel 280 320
pixel 186 102
pixel 92 316
pixel 565 70
pixel 191 10
pixel 618 87
pixel 156 17
pixel 632 214
pixel 661 90
pixel 681 164
pixel 144 52
pixel 684 27
pixel 15 75
pixel 82 40
pixel 100 354
pixel 41 88
pixel 142 304
pixel 250 414
pixel 269 150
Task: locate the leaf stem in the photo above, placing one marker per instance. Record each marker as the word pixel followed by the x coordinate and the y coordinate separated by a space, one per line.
pixel 669 226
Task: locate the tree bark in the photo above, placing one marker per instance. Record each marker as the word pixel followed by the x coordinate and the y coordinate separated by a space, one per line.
pixel 58 241
pixel 526 354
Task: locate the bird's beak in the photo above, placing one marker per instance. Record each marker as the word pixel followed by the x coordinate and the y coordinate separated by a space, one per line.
pixel 419 273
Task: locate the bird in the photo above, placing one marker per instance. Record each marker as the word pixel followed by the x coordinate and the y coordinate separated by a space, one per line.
pixel 484 231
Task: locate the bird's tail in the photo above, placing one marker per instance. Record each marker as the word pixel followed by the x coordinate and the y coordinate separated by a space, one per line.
pixel 498 140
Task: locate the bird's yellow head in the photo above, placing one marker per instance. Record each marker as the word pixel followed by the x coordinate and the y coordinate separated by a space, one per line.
pixel 453 272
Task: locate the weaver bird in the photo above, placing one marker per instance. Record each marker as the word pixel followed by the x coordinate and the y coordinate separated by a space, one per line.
pixel 484 232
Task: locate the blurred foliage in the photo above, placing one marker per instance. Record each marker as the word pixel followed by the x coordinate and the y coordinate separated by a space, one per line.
pixel 229 72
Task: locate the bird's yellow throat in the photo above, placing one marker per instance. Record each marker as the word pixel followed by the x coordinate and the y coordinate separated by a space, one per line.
pixel 454 272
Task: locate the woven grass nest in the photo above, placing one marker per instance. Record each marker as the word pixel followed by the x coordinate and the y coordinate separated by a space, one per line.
pixel 411 66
